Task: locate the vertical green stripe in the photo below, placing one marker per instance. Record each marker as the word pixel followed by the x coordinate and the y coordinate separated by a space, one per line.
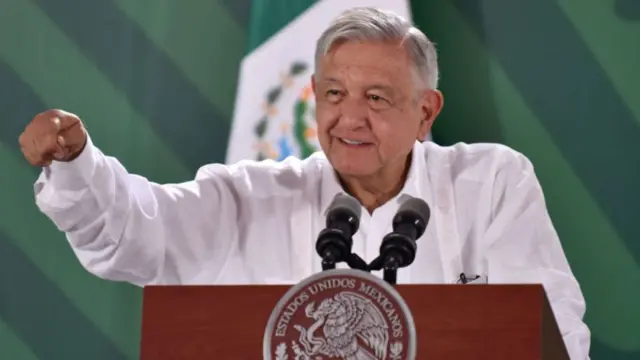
pixel 269 16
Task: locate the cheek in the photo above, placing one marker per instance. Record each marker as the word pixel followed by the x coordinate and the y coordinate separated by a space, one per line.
pixel 326 118
pixel 394 133
pixel 385 129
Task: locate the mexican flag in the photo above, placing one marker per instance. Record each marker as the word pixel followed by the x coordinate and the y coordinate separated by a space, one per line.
pixel 274 109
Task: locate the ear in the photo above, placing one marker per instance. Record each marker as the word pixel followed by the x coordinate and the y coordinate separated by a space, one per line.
pixel 313 83
pixel 431 104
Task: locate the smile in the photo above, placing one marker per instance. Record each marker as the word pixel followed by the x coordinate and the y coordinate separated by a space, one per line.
pixel 353 142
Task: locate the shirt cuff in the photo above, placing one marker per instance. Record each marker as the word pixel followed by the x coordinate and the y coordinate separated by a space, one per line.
pixel 68 175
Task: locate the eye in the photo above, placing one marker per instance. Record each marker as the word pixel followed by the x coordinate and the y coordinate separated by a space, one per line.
pixel 378 102
pixel 333 95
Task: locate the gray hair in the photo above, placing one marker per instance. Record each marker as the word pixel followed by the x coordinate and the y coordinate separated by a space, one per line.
pixel 371 24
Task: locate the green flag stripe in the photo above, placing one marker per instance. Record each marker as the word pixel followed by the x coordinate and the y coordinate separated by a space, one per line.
pixel 180 27
pixel 39 322
pixel 269 16
pixel 174 97
pixel 11 346
pixel 531 68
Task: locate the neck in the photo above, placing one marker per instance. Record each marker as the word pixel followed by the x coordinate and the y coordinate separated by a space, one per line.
pixel 375 190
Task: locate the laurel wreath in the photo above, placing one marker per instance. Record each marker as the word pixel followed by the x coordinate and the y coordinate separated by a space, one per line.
pixel 396 351
pixel 300 129
pixel 281 352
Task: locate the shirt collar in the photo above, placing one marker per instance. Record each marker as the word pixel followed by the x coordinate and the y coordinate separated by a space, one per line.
pixel 330 185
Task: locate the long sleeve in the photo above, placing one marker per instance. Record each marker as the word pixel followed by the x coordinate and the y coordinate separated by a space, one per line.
pixel 123 227
pixel 524 247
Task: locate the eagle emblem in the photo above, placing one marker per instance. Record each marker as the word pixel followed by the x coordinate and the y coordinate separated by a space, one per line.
pixel 340 314
pixel 353 328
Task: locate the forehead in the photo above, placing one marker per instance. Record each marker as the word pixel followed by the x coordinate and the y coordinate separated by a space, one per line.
pixel 365 61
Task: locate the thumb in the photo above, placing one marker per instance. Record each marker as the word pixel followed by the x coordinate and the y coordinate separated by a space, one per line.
pixel 60 152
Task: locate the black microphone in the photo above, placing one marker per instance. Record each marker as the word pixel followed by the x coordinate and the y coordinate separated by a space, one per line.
pixel 398 248
pixel 335 241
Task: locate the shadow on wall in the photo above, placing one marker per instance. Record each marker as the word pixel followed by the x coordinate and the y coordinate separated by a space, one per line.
pixel 628 10
pixel 460 59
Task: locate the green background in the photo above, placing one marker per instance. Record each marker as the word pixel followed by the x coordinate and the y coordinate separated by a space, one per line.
pixel 155 82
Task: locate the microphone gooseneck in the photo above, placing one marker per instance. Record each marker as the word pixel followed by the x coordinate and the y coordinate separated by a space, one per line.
pixel 398 248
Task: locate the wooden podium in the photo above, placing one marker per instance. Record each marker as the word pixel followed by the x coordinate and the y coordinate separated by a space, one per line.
pixel 452 322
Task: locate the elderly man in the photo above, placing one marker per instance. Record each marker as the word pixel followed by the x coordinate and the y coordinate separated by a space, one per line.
pixel 256 222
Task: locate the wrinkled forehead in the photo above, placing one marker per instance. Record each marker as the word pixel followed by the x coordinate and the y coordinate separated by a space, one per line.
pixel 365 61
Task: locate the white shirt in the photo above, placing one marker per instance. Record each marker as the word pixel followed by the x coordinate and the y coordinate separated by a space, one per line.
pixel 257 223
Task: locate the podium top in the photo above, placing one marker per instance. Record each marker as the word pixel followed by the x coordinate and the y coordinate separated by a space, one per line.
pixel 451 321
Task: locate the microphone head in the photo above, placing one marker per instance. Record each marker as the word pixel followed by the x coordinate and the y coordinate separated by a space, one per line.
pixel 413 211
pixel 344 208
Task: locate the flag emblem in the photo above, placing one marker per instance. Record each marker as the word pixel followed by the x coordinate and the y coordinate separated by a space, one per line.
pixel 287 126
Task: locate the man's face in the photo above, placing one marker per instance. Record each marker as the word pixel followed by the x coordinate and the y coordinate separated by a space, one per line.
pixel 369 111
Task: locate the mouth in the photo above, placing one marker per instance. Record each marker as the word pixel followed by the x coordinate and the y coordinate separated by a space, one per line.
pixel 354 143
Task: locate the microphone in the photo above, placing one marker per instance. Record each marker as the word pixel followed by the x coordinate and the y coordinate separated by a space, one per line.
pixel 335 241
pixel 398 248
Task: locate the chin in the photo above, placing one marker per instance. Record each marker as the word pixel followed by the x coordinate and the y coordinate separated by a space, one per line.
pixel 351 168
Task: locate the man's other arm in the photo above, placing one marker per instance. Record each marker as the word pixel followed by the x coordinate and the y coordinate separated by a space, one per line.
pixel 523 247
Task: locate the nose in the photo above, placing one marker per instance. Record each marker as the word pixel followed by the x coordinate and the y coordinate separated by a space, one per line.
pixel 354 113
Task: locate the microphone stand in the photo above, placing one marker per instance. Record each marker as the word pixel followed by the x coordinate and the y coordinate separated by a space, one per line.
pixel 329 260
pixel 389 264
pixel 353 261
pixel 335 247
pixel 397 250
pixel 390 270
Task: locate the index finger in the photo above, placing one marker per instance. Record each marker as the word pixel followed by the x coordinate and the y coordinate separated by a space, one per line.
pixel 60 120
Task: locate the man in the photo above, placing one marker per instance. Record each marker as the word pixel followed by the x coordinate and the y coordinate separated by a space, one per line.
pixel 257 222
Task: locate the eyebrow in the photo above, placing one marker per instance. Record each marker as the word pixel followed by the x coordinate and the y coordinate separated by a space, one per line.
pixel 374 86
pixel 331 80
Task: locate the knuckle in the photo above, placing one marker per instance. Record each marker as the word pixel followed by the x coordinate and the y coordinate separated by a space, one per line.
pixel 47 115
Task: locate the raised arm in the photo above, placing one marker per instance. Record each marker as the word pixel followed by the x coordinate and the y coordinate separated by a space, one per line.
pixel 122 226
